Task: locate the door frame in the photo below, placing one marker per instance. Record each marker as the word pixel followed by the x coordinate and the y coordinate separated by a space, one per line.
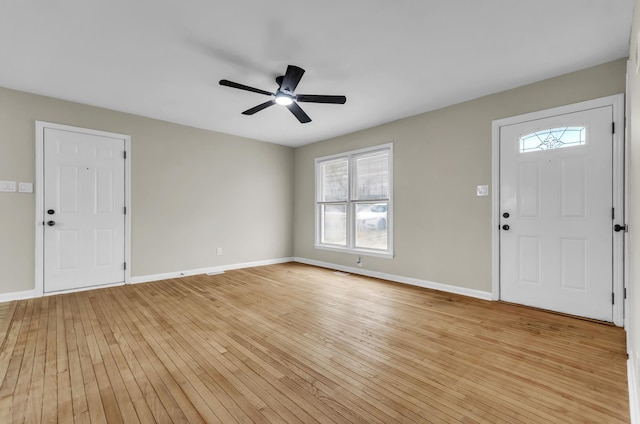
pixel 619 178
pixel 39 194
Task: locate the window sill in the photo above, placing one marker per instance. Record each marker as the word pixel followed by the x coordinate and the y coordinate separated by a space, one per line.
pixel 360 252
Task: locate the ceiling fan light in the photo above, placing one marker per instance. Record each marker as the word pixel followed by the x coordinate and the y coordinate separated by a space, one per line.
pixel 284 100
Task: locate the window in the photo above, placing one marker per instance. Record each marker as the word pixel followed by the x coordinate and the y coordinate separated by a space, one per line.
pixel 553 138
pixel 354 201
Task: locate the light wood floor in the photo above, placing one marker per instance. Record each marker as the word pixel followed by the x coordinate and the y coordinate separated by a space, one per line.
pixel 297 344
pixel 5 308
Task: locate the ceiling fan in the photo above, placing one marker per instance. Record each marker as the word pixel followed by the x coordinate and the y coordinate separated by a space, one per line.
pixel 285 95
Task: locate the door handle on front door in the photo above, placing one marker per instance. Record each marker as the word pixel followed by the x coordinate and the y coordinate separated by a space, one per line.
pixel 617 228
pixel 505 227
pixel 51 223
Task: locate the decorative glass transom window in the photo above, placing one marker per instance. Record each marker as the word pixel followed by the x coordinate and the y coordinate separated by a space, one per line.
pixel 553 138
pixel 354 201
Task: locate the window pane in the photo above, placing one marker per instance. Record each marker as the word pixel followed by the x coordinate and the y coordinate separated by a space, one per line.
pixel 553 138
pixel 335 180
pixel 334 224
pixel 371 225
pixel 372 176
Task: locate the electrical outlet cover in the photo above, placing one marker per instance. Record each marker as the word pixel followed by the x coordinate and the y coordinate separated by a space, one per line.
pixel 25 187
pixel 482 190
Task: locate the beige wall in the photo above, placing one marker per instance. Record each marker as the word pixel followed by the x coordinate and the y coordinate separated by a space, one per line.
pixel 195 190
pixel 442 230
pixel 633 288
pixel 192 191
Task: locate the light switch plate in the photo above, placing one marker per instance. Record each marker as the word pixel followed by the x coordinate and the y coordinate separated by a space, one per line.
pixel 482 190
pixel 7 186
pixel 25 187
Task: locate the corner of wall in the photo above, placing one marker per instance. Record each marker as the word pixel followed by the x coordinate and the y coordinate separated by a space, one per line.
pixel 632 377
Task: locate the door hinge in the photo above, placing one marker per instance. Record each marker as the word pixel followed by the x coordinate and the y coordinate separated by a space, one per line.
pixel 613 128
pixel 625 292
pixel 125 210
pixel 124 265
pixel 125 154
pixel 613 213
pixel 613 298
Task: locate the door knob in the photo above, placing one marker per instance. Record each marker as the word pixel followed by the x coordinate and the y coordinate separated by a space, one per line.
pixel 617 228
pixel 51 211
pixel 505 227
pixel 51 223
pixel 506 215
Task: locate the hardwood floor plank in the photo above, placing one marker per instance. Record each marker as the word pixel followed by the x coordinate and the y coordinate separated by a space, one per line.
pixel 10 354
pixel 110 374
pixel 7 310
pixel 219 372
pixel 154 392
pixel 222 363
pixel 293 343
pixel 199 370
pixel 50 388
pixel 21 394
pixel 128 393
pixel 63 406
pixel 239 355
pixel 84 340
pixel 172 399
pixel 79 406
pixel 350 383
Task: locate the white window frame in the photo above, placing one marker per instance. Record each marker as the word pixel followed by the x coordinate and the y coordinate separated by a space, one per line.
pixel 351 228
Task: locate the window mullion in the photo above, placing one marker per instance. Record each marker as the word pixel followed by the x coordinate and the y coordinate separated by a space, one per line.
pixel 351 227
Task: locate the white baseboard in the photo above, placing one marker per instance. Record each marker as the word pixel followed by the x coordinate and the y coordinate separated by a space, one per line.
pixel 5 297
pixel 210 270
pixel 634 406
pixel 27 294
pixel 400 279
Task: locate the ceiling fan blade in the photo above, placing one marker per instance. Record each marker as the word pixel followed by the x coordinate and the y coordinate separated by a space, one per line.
pixel 244 87
pixel 313 98
pixel 299 113
pixel 259 107
pixel 291 79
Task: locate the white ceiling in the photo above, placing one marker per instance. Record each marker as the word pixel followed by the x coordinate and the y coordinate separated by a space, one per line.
pixel 392 59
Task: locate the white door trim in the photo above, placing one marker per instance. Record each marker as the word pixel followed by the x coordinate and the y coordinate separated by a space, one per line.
pixel 617 102
pixel 39 193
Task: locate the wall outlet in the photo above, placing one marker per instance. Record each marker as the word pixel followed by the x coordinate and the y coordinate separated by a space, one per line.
pixel 219 251
pixel 25 187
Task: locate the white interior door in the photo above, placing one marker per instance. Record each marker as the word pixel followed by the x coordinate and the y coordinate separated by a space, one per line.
pixel 556 199
pixel 84 215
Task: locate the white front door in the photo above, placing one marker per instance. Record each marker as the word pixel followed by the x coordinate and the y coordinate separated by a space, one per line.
pixel 84 215
pixel 556 200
